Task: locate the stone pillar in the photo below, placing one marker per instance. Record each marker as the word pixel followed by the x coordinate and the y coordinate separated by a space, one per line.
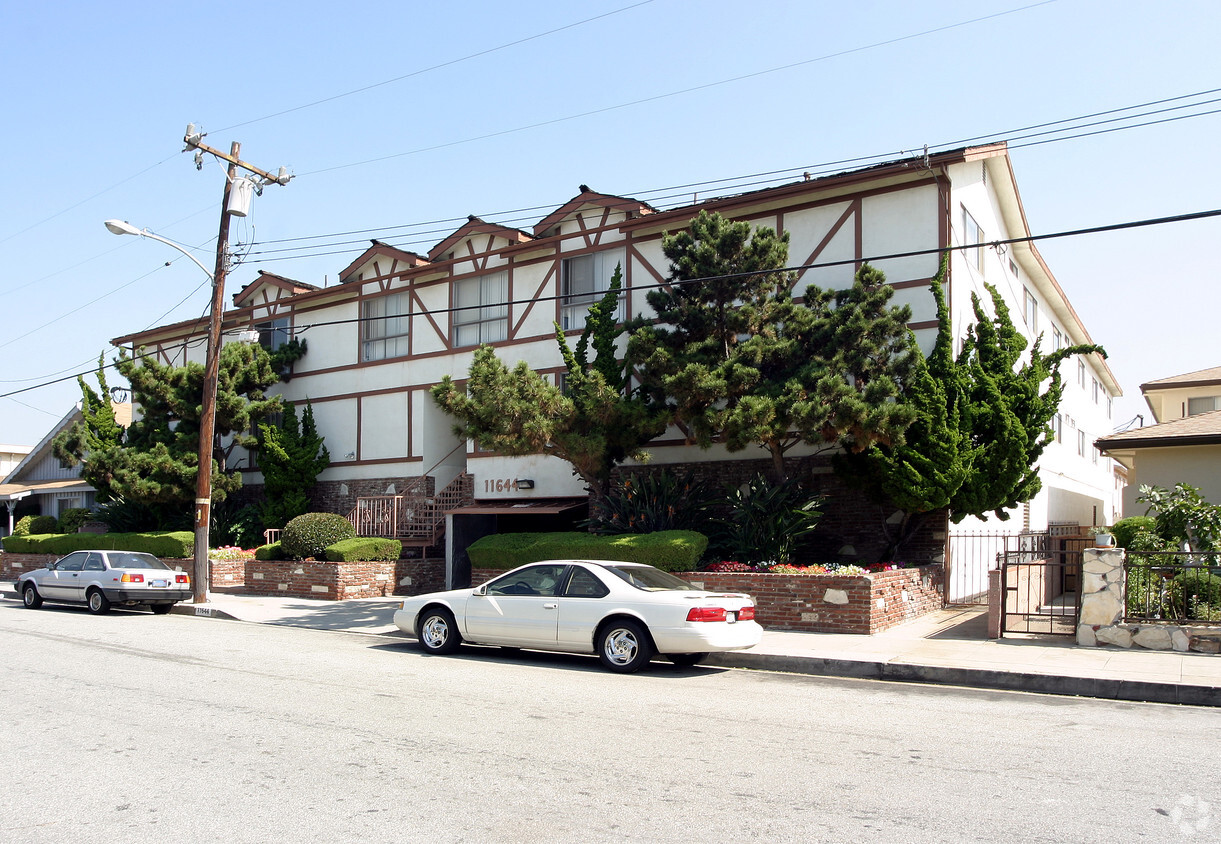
pixel 1102 599
pixel 996 594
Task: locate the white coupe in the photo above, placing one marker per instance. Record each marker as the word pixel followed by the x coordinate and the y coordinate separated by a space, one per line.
pixel 623 612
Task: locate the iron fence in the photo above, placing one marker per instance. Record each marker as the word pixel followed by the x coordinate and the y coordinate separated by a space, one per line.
pixel 1040 586
pixel 1174 586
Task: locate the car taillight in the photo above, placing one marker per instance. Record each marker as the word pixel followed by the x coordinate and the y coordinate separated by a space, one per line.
pixel 746 614
pixel 128 577
pixel 182 578
pixel 706 614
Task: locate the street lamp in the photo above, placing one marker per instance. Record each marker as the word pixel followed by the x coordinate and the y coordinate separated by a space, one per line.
pixel 207 415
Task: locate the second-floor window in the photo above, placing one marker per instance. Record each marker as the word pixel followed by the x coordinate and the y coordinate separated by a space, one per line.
pixel 583 281
pixel 274 334
pixel 1081 374
pixel 481 310
pixel 1096 391
pixel 384 326
pixel 971 234
pixel 1031 306
pixel 1204 404
pixel 1057 339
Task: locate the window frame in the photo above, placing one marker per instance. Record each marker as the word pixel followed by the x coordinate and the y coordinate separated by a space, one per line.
pixel 574 306
pixel 481 317
pixel 375 328
pixel 973 235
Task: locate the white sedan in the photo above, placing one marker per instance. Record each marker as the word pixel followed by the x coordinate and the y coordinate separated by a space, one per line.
pixel 623 612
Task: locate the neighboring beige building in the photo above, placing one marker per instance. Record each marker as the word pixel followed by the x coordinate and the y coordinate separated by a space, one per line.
pixel 1185 445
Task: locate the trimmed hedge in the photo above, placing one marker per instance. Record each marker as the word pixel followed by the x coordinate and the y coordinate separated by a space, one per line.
pixel 269 552
pixel 364 548
pixel 669 550
pixel 176 545
pixel 1125 530
pixel 309 535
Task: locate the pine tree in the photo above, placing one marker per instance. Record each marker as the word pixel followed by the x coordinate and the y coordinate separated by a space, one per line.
pixel 734 359
pixel 594 422
pixel 291 456
pixel 96 432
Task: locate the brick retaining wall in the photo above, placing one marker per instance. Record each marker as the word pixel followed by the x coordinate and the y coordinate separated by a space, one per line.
pixel 821 603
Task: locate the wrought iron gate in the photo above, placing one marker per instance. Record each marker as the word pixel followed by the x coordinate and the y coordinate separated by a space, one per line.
pixel 1040 585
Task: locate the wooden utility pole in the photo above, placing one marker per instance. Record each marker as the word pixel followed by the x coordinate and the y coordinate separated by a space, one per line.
pixel 207 413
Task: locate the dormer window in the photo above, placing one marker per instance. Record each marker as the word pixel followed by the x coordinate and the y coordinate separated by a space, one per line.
pixel 583 281
pixel 481 310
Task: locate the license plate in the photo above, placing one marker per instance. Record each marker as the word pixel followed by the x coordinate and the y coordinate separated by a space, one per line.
pixel 731 617
pixel 160 583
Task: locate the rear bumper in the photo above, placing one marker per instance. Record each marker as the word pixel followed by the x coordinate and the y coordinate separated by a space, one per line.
pixel 147 596
pixel 711 637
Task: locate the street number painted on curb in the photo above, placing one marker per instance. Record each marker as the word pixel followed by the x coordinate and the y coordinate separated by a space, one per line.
pixel 203 610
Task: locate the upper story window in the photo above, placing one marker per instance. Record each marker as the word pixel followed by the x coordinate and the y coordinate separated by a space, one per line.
pixel 1096 390
pixel 1057 427
pixel 481 310
pixel 583 281
pixel 972 233
pixel 1030 306
pixel 274 334
pixel 384 327
pixel 1081 443
pixel 1081 374
pixel 1206 404
pixel 1057 339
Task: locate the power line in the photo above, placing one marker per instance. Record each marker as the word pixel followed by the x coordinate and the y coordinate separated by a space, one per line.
pixel 1113 227
pixel 449 63
pixel 771 176
pixel 702 87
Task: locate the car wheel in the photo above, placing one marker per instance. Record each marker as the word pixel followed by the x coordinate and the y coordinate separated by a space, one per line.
pixel 30 597
pixel 624 646
pixel 687 659
pixel 160 609
pixel 439 632
pixel 98 603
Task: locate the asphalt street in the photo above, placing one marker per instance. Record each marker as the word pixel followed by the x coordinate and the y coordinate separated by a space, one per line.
pixel 144 728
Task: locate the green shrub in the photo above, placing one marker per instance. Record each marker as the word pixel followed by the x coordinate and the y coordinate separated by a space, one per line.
pixel 670 550
pixel 1145 588
pixel 44 524
pixel 169 545
pixel 1195 594
pixel 22 528
pixel 273 551
pixel 646 503
pixel 70 520
pixel 766 521
pixel 311 534
pixel 1126 529
pixel 364 548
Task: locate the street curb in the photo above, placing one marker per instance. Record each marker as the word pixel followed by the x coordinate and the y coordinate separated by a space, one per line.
pixel 977 678
pixel 202 611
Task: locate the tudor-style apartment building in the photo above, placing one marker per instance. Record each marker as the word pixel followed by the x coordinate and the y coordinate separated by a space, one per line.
pixel 397 321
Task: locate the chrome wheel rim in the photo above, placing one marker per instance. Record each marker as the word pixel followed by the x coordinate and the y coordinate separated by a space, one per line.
pixel 435 632
pixel 620 646
pixel 27 596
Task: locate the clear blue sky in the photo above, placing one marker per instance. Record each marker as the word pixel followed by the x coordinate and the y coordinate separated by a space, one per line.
pixel 97 97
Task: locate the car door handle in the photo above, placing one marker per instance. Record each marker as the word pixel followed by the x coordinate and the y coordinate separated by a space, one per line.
pixel 550 606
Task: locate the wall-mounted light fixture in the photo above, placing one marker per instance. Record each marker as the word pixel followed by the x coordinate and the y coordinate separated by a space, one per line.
pixel 524 483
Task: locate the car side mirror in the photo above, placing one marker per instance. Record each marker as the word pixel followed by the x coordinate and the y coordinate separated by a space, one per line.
pixel 482 590
pixel 51 566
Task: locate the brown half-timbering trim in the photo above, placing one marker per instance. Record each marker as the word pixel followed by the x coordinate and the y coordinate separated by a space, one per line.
pixel 427 314
pixel 914 282
pixel 854 207
pixel 551 273
pixel 858 235
pixel 920 326
pixel 359 423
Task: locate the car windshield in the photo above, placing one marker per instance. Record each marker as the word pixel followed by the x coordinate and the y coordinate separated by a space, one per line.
pixel 132 560
pixel 650 579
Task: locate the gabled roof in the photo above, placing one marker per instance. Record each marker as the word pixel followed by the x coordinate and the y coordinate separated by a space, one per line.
pixel 1201 429
pixel 474 226
pixel 1199 378
pixel 378 247
pixel 587 197
pixel 122 415
pixel 267 279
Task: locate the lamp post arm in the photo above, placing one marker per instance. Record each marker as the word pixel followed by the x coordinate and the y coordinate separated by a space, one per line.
pixel 180 248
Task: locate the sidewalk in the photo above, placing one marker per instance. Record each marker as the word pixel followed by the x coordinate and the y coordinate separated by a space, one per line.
pixel 946 647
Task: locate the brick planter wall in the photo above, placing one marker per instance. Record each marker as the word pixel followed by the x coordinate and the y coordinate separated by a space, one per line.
pixel 311 579
pixel 821 603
